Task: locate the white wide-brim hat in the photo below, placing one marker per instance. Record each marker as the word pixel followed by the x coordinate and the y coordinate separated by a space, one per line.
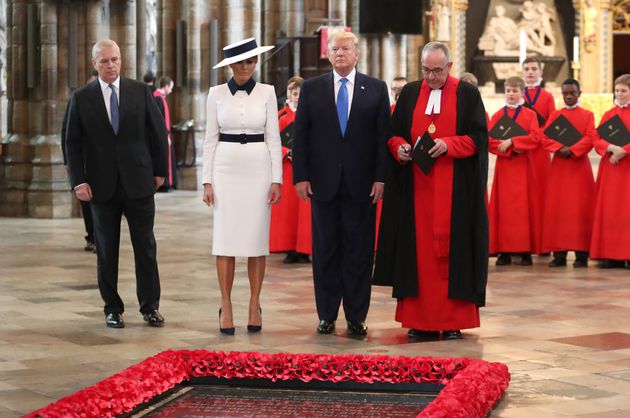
pixel 238 51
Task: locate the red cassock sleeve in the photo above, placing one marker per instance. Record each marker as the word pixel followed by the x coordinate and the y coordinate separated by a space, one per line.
pixel 392 145
pixel 585 144
pixel 532 140
pixel 460 146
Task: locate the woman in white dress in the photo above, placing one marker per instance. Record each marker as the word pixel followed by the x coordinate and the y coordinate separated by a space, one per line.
pixel 242 173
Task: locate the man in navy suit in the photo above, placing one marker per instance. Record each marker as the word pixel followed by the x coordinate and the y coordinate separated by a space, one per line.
pixel 117 158
pixel 339 159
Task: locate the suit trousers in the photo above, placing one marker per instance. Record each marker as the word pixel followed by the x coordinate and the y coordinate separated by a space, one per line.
pixel 343 254
pixel 87 221
pixel 140 214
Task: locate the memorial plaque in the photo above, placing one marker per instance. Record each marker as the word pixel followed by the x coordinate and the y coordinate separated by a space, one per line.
pixel 213 401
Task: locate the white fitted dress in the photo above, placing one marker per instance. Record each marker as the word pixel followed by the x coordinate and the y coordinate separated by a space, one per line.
pixel 241 174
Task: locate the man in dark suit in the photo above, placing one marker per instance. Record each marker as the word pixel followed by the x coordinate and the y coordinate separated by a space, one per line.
pixel 117 158
pixel 339 159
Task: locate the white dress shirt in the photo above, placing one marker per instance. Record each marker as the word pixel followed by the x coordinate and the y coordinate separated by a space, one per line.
pixel 107 94
pixel 349 86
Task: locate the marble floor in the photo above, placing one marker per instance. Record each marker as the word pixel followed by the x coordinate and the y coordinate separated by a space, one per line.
pixel 564 333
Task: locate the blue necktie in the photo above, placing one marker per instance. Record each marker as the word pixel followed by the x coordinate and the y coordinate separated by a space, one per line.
pixel 113 109
pixel 342 105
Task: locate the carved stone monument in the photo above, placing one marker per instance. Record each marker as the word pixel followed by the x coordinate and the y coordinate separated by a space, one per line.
pixel 500 42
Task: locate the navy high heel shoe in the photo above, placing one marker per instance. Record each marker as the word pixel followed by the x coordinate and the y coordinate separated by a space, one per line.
pixel 226 331
pixel 255 328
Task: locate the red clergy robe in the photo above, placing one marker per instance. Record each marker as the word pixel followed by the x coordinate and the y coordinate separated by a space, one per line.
pixel 290 228
pixel 570 201
pixel 167 121
pixel 431 309
pixel 514 209
pixel 544 104
pixel 611 226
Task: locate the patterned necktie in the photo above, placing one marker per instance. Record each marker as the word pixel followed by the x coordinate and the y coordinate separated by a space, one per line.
pixel 113 109
pixel 342 105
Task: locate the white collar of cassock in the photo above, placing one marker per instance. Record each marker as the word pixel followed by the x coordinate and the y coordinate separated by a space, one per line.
pixel 623 106
pixel 514 106
pixel 434 103
pixel 534 84
pixel 572 107
pixel 292 106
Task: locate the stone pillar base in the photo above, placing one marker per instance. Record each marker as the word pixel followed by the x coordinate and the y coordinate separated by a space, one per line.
pixel 189 178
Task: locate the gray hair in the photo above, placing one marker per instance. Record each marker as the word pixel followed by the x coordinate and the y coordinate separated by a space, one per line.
pixel 436 46
pixel 103 44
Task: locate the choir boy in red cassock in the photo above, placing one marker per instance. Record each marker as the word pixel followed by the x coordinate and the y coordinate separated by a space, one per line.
pixel 290 218
pixel 542 102
pixel 610 241
pixel 433 242
pixel 570 201
pixel 514 208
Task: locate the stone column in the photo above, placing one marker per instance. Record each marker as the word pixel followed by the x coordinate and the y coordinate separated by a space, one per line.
pixel 123 31
pixel 593 26
pixel 389 64
pixel 458 36
pixel 48 192
pixel 338 10
pixel 291 17
pixel 241 19
pixel 142 64
pixel 413 51
pixel 16 156
pixel 93 26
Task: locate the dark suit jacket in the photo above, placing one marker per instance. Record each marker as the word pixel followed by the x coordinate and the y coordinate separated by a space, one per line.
pixel 101 158
pixel 322 156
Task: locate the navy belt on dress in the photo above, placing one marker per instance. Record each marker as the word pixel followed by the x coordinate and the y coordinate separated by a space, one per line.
pixel 242 138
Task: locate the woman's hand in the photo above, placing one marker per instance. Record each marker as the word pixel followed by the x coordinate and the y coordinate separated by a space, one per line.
pixel 274 193
pixel 208 195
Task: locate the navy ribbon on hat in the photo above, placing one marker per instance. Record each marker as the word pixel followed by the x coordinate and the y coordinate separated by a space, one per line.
pixel 240 49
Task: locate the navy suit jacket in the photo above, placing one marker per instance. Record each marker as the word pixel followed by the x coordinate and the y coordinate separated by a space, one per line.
pixel 323 156
pixel 98 156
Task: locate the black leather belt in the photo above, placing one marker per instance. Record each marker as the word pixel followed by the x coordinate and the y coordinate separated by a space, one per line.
pixel 242 138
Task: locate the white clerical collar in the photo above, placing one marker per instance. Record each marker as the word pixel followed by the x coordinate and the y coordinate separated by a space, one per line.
pixel 534 84
pixel 577 104
pixel 622 106
pixel 514 106
pixel 350 76
pixel 435 102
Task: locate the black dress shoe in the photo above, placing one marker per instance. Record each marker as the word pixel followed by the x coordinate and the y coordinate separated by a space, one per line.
pixel 357 328
pixel 504 259
pixel 303 258
pixel 153 318
pixel 580 262
pixel 558 262
pixel 326 327
pixel 226 331
pixel 114 320
pixel 291 258
pixel 526 259
pixel 452 335
pixel 426 335
pixel 610 264
pixel 255 328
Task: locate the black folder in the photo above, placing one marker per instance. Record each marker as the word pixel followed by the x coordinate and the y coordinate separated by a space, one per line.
pixel 614 131
pixel 506 128
pixel 286 135
pixel 420 154
pixel 562 131
pixel 541 118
